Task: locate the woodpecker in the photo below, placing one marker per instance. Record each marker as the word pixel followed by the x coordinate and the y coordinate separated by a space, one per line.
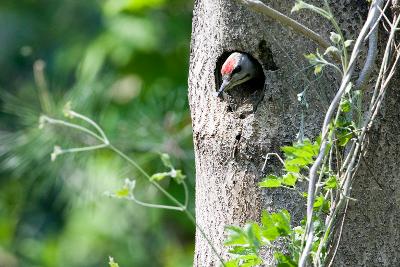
pixel 237 69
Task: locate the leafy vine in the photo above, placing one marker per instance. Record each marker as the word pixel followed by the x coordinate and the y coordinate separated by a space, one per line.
pixel 329 163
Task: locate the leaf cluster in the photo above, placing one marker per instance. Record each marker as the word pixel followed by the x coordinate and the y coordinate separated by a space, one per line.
pixel 298 157
pixel 176 175
pixel 245 243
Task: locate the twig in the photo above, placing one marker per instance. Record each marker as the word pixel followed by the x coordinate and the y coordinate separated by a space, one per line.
pixel 378 20
pixel 45 119
pixel 91 122
pixel 45 99
pixel 297 27
pixel 267 158
pixel 372 52
pixel 150 205
pixel 340 235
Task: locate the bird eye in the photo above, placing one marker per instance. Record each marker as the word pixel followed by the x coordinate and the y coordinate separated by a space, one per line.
pixel 237 69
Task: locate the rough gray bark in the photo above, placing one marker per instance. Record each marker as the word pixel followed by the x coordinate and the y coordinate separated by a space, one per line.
pixel 232 134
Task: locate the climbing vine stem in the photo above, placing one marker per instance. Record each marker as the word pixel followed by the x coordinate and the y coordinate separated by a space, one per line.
pixel 127 191
pixel 328 164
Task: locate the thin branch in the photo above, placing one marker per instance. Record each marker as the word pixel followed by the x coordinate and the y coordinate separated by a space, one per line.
pixel 267 158
pixel 150 205
pixel 59 151
pixel 340 235
pixel 297 27
pixel 91 122
pixel 378 20
pixel 45 98
pixel 372 51
pixel 343 57
pixel 45 119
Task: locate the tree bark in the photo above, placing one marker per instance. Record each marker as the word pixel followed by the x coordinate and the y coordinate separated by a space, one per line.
pixel 233 133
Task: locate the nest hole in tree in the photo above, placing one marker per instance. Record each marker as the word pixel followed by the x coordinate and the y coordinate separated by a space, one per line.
pixel 246 88
pixel 251 90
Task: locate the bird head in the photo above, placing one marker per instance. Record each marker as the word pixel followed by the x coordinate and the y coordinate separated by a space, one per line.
pixel 237 69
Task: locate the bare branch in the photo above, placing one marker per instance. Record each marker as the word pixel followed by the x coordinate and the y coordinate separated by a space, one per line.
pixel 297 27
pixel 372 52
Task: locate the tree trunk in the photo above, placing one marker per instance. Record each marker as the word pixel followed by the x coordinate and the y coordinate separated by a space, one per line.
pixel 233 133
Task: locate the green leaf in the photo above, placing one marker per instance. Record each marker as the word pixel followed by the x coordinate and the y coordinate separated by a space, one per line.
pixel 250 260
pixel 345 106
pixel 288 149
pixel 318 68
pixel 253 233
pixel 112 6
pixel 292 168
pixel 270 231
pixel 348 43
pixel 321 204
pixel 284 260
pixel 344 130
pixel 123 192
pixel 166 160
pixel 335 38
pixel 298 163
pixel 305 152
pixel 302 5
pixel 326 206
pixel 344 139
pixel 159 176
pixel 265 218
pixel 236 236
pixel 305 149
pixel 298 233
pixel 246 241
pixel 332 50
pixel 270 181
pixel 289 179
pixel 331 183
pixel 127 189
pixel 282 222
pixel 318 224
pixel 301 162
pixel 312 58
pixel 299 5
pixel 300 155
pixel 232 263
pixel 319 201
pixel 275 224
pixel 178 176
pixel 241 250
pixel 112 263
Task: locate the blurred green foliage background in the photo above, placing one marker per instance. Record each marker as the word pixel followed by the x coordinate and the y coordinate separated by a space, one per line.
pixel 124 64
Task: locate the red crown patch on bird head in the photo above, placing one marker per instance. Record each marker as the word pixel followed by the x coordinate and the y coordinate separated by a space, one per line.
pixel 229 64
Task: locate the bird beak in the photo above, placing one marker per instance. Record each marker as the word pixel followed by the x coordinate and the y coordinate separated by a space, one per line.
pixel 224 85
